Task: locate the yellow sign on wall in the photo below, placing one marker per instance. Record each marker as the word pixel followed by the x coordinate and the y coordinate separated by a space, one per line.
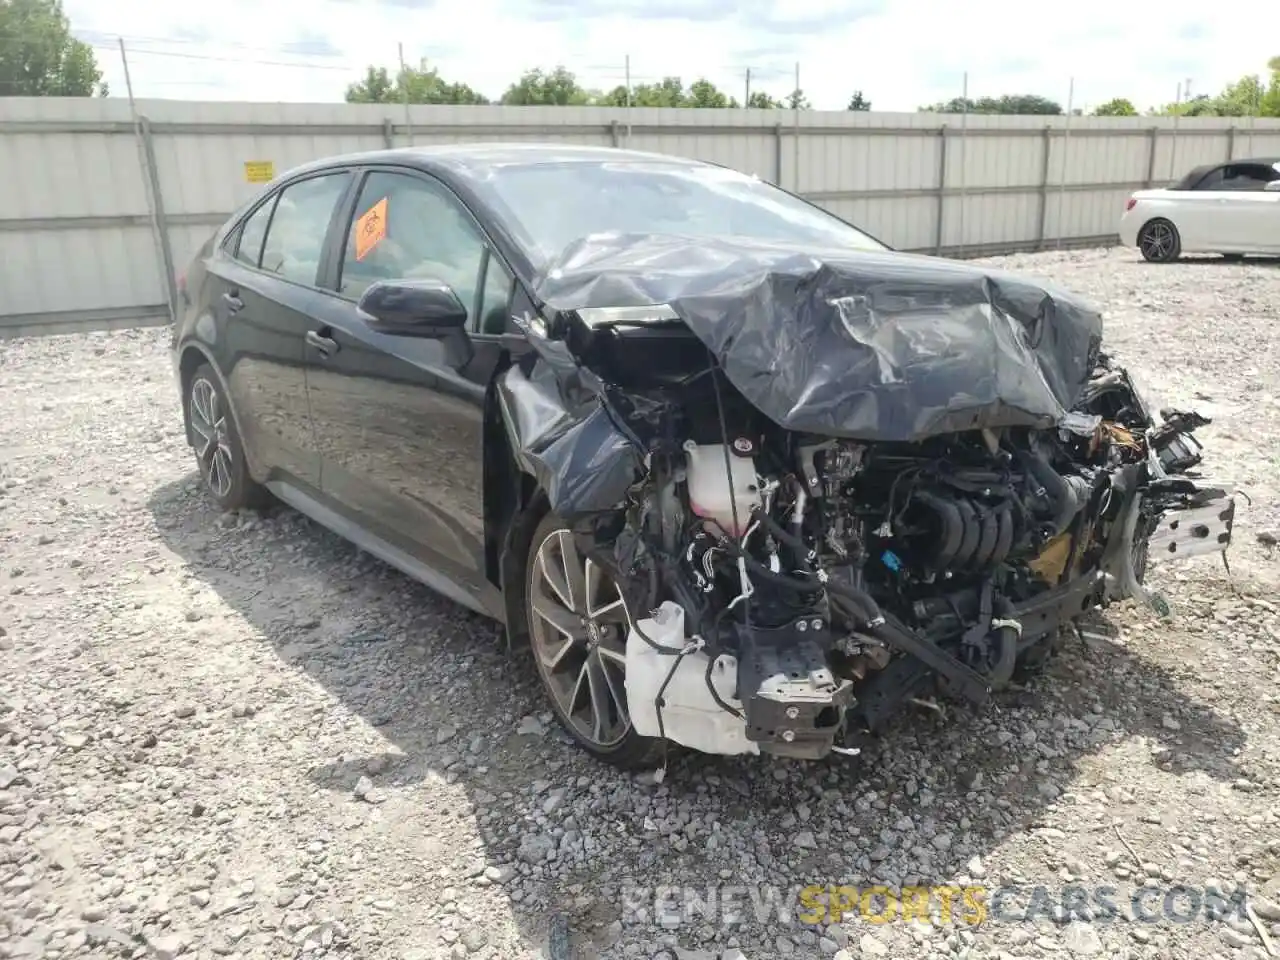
pixel 259 171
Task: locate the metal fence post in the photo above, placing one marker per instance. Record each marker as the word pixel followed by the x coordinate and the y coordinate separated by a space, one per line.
pixel 1047 145
pixel 1153 136
pixel 942 189
pixel 161 222
pixel 777 154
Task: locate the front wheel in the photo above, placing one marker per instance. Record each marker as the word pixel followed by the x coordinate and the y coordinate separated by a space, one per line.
pixel 1159 242
pixel 578 625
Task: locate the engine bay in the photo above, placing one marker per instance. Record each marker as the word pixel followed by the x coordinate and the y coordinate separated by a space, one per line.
pixel 828 487
pixel 804 587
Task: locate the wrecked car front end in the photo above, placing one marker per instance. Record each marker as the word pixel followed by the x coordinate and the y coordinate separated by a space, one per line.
pixel 831 484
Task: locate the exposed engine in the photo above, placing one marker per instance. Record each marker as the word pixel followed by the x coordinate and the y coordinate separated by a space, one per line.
pixel 838 483
pixel 806 587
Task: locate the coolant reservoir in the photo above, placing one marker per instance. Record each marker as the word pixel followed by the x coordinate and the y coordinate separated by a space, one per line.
pixel 714 489
pixel 690 715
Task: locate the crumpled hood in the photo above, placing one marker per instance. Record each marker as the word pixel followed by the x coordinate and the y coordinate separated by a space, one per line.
pixel 867 345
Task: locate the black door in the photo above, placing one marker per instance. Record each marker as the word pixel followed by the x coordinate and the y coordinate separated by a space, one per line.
pixel 399 419
pixel 264 293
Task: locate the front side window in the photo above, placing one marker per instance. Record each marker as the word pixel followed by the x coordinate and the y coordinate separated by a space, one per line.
pixel 408 228
pixel 295 239
pixel 495 298
pixel 1212 180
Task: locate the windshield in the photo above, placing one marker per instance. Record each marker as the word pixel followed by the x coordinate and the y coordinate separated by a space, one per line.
pixel 554 204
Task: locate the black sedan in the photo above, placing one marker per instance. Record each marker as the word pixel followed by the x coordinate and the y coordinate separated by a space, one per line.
pixel 740 476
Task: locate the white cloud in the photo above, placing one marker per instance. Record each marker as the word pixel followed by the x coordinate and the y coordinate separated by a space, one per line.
pixel 908 53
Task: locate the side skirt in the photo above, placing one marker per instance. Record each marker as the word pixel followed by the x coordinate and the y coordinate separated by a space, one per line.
pixel 371 543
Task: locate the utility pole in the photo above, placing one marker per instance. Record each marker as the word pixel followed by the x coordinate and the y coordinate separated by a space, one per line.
pixel 404 95
pixel 796 133
pixel 746 94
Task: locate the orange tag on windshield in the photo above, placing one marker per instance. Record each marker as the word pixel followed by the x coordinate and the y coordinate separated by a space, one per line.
pixel 371 228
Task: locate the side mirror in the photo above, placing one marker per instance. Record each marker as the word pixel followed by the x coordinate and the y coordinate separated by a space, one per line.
pixel 1272 187
pixel 412 308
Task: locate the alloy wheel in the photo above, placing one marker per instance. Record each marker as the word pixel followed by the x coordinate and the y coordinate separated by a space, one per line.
pixel 213 447
pixel 578 622
pixel 1158 241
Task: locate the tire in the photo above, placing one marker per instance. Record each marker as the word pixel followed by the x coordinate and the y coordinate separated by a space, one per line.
pixel 216 442
pixel 1159 242
pixel 583 674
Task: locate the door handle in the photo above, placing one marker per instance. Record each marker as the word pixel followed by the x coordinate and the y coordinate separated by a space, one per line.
pixel 233 302
pixel 327 346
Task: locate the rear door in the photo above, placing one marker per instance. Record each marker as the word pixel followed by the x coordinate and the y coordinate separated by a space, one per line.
pixel 399 420
pixel 263 293
pixel 1198 212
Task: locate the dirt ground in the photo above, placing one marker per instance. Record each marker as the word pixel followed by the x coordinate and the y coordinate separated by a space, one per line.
pixel 238 736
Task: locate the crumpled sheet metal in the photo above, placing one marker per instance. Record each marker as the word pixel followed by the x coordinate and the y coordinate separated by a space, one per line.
pixel 563 434
pixel 865 345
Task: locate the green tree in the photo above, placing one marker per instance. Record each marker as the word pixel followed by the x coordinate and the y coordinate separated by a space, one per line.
pixel 1269 106
pixel 704 93
pixel 796 100
pixel 759 100
pixel 1118 107
pixel 540 88
pixel 668 93
pixel 1009 103
pixel 376 87
pixel 38 55
pixel 1248 96
pixel 859 102
pixel 423 85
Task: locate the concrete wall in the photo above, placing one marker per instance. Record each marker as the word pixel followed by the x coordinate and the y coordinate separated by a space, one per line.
pixel 98 212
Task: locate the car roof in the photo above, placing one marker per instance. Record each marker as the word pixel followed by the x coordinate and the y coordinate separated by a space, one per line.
pixel 1195 174
pixel 479 159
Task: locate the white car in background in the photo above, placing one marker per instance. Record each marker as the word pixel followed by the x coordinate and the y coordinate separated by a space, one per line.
pixel 1227 208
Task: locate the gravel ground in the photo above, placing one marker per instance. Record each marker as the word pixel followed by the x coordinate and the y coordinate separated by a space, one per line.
pixel 237 736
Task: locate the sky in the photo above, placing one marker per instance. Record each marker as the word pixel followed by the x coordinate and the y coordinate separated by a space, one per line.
pixel 899 53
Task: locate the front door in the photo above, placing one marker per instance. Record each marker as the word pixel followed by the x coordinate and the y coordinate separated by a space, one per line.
pixel 263 290
pixel 399 420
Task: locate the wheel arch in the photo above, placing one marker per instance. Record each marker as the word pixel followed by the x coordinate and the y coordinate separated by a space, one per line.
pixel 192 355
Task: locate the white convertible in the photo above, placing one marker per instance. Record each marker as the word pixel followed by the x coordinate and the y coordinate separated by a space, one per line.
pixel 1228 208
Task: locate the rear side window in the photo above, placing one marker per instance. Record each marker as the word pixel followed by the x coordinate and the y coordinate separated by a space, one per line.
pixel 1247 176
pixel 254 231
pixel 295 239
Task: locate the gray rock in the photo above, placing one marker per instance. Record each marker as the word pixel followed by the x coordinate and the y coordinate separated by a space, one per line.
pixel 1081 939
pixel 531 726
pixel 166 947
pixel 500 874
pixel 870 946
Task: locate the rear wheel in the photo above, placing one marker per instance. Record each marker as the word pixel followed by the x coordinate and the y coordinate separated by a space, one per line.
pixel 1158 241
pixel 578 624
pixel 219 452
